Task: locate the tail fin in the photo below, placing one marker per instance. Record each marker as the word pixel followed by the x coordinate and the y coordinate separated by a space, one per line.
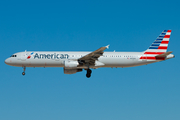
pixel 159 46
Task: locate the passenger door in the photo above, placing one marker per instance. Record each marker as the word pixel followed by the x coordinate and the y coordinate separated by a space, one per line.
pixel 23 56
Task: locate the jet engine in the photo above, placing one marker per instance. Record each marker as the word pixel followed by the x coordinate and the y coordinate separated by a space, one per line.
pixel 69 64
pixel 71 71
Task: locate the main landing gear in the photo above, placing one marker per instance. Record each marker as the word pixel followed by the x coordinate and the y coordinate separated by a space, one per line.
pixel 24 68
pixel 88 74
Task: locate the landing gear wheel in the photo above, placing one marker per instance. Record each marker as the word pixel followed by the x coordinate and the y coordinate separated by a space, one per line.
pixel 24 69
pixel 23 73
pixel 88 75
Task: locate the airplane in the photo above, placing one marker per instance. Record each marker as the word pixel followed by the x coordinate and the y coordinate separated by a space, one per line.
pixel 74 62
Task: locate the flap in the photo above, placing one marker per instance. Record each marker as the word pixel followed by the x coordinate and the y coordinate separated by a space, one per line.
pixel 93 56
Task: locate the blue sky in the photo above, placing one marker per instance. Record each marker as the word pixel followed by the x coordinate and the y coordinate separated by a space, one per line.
pixel 148 92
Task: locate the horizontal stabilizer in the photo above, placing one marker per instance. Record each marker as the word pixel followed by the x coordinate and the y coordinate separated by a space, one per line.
pixel 164 54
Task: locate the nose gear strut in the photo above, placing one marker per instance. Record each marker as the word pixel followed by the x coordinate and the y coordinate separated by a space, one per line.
pixel 24 68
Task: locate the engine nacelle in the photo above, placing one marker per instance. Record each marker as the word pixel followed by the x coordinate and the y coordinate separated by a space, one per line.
pixel 71 71
pixel 69 64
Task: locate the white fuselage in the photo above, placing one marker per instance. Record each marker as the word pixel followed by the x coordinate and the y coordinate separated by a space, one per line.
pixel 73 62
pixel 57 59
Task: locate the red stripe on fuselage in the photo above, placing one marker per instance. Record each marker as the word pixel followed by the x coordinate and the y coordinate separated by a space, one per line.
pixel 152 58
pixel 144 57
pixel 169 31
pixel 158 53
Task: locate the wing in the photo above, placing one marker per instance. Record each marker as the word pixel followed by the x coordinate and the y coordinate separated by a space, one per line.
pixel 90 58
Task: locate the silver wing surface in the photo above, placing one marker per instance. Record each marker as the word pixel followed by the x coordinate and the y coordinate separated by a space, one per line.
pixel 90 58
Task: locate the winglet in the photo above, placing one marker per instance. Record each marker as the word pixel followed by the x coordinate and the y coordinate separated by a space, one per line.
pixel 107 46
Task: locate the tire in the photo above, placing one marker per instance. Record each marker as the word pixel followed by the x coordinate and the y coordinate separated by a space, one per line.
pixel 23 73
pixel 88 75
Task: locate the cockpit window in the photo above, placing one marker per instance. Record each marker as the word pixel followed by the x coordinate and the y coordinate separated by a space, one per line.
pixel 13 55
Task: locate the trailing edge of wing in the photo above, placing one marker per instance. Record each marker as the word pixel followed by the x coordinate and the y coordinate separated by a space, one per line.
pixel 95 54
pixel 91 58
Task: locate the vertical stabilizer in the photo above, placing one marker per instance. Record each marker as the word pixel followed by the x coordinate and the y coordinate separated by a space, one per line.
pixel 159 46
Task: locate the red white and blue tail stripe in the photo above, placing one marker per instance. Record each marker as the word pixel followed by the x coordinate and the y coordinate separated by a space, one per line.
pixel 159 46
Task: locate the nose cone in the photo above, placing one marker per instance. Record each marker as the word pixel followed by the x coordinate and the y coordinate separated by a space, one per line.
pixel 7 61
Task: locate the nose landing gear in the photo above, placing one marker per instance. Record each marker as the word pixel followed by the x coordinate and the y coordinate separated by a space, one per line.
pixel 24 68
pixel 89 71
